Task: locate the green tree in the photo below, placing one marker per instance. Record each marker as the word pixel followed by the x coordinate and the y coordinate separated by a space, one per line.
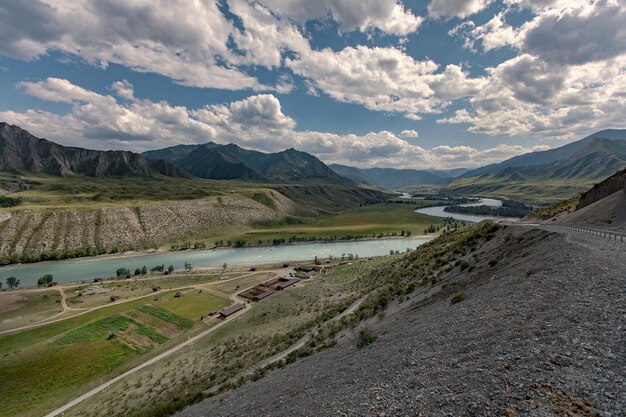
pixel 122 272
pixel 45 280
pixel 188 266
pixel 170 268
pixel 224 266
pixel 144 270
pixel 12 282
pixel 137 271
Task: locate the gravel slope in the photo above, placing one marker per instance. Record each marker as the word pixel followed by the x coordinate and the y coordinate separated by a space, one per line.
pixel 539 334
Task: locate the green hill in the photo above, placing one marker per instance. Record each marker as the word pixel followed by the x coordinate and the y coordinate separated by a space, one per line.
pixel 549 176
pixel 214 161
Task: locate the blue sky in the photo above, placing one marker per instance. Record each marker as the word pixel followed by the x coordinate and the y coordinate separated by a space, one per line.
pixel 421 84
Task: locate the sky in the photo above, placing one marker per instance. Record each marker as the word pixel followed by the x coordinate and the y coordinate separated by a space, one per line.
pixel 389 83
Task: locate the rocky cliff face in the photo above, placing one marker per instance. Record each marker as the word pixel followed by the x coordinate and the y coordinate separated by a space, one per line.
pixel 22 152
pixel 604 189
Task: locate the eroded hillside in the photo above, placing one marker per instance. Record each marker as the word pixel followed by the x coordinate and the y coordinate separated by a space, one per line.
pixel 510 325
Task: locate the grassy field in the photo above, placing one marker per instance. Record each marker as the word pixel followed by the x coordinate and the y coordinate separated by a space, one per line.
pixel 267 328
pixel 537 192
pixel 49 365
pixel 366 221
pixel 192 303
pixel 22 308
pixel 237 285
pixel 126 289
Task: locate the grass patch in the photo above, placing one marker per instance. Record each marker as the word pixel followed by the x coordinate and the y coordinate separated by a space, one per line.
pixel 192 304
pixel 97 330
pixel 368 221
pixel 457 298
pixel 365 337
pixel 167 316
pixel 264 199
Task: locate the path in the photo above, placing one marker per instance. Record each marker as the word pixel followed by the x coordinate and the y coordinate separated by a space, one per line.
pixel 175 349
pixel 149 362
pixel 67 309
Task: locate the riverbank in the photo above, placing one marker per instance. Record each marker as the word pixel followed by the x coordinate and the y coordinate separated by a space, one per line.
pixel 90 268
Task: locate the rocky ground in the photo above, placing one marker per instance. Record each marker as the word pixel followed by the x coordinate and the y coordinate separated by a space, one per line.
pixel 540 332
pixel 608 213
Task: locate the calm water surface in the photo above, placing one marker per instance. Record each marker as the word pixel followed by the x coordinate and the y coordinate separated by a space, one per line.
pixel 440 212
pixel 89 268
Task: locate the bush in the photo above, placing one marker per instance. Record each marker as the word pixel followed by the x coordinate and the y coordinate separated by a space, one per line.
pixel 122 272
pixel 493 262
pixel 458 297
pixel 9 201
pixel 45 280
pixel 365 337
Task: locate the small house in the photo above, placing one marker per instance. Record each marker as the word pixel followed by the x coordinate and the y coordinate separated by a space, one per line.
pixel 286 284
pixel 229 311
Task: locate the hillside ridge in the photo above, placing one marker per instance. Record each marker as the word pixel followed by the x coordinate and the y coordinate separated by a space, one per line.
pixel 22 152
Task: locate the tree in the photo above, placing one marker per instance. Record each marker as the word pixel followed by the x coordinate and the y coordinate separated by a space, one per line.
pixel 224 266
pixel 122 272
pixel 188 266
pixel 144 270
pixel 12 282
pixel 0 285
pixel 45 280
pixel 170 268
pixel 137 271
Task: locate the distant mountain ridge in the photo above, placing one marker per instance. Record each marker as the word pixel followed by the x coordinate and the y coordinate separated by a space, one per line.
pixel 550 156
pixel 392 178
pixel 22 152
pixel 575 165
pixel 214 161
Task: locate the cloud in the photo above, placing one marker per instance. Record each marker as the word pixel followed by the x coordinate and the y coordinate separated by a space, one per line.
pixel 568 78
pixel 389 16
pixel 494 34
pixel 123 89
pixel 527 96
pixel 258 122
pixel 383 79
pixel 573 36
pixel 456 8
pixel 409 133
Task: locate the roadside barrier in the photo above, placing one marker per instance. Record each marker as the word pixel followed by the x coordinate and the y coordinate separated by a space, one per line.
pixel 607 234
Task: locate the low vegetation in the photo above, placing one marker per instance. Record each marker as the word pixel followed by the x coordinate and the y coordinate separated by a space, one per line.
pixel 230 357
pixel 365 337
pixel 61 218
pixel 509 208
pixel 561 207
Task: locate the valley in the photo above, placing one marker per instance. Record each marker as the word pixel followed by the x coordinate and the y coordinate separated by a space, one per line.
pixel 239 270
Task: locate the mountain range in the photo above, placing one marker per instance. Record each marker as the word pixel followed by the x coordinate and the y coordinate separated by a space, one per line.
pixel 392 178
pixel 583 162
pixel 599 143
pixel 573 166
pixel 22 152
pixel 230 161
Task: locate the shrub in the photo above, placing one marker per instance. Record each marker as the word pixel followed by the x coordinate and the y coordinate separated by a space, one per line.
pixel 365 337
pixel 493 262
pixel 458 297
pixel 122 272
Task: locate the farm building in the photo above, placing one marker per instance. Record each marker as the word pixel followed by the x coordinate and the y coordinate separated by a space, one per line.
pixel 285 283
pixel 229 311
pixel 260 296
pixel 258 293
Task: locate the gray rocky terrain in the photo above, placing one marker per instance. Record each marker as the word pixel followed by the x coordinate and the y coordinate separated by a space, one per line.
pixel 539 333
